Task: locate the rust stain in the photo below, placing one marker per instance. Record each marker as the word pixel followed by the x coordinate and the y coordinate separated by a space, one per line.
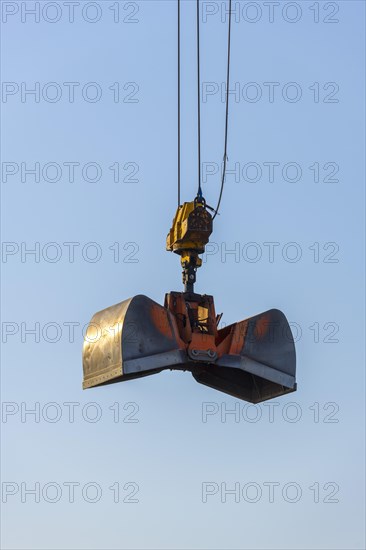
pixel 238 337
pixel 261 327
pixel 159 316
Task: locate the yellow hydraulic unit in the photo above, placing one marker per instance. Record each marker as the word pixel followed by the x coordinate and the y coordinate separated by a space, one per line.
pixel 190 232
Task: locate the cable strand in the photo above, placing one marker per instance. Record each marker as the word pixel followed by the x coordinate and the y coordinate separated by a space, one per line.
pixel 178 140
pixel 199 192
pixel 227 113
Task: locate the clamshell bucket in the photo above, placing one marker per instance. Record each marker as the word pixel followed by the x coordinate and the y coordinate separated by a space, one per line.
pixel 253 360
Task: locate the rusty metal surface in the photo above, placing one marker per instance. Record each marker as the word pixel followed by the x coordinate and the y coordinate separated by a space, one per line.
pixel 253 360
pixel 265 366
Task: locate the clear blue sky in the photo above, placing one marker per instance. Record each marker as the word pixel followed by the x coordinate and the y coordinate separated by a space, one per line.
pixel 312 209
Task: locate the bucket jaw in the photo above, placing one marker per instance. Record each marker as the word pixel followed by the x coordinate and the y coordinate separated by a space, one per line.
pixel 259 362
pixel 253 359
pixel 134 338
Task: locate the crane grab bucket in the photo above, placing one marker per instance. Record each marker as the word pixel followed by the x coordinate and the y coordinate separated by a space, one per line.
pixel 253 359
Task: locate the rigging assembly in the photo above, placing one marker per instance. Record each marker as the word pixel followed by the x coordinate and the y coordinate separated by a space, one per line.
pixel 253 359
